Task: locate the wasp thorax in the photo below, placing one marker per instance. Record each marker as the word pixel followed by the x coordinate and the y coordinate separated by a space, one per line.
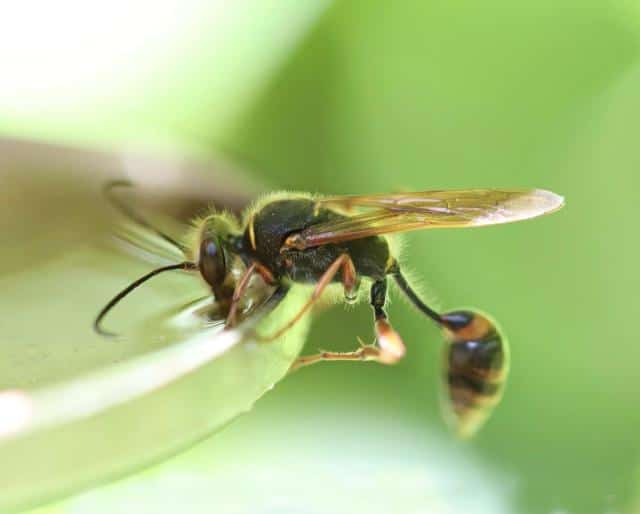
pixel 476 364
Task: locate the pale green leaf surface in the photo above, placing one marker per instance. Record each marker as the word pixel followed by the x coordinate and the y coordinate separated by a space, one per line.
pixel 75 408
pixel 331 460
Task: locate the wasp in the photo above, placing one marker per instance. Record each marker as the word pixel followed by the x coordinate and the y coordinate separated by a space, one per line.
pixel 288 238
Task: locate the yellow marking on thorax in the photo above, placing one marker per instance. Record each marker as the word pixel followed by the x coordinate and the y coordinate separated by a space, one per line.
pixel 252 233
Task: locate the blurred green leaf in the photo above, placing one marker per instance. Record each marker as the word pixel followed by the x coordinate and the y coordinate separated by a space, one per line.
pixel 331 460
pixel 72 434
pixel 122 73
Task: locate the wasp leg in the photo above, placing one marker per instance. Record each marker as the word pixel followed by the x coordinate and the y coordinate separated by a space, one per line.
pixel 241 288
pixel 392 348
pixel 389 350
pixel 350 281
pixel 366 352
pixel 128 212
pixel 238 292
pixel 343 262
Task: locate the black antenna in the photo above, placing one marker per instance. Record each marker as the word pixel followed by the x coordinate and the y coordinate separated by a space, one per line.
pixel 414 298
pixel 112 303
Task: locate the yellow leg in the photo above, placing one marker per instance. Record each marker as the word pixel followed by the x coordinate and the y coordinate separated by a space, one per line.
pixel 239 290
pixel 366 352
pixel 343 262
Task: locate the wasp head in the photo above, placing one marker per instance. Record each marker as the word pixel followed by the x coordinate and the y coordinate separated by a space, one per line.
pixel 215 253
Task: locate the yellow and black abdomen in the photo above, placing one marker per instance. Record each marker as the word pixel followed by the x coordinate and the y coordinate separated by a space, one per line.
pixel 268 228
pixel 476 368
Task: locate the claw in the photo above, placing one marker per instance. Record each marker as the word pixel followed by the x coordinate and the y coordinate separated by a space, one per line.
pixel 365 345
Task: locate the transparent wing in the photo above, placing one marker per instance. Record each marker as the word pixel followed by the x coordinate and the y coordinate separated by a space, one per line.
pixel 428 209
pixel 143 231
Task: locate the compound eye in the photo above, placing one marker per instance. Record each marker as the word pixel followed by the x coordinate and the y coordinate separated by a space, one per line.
pixel 212 262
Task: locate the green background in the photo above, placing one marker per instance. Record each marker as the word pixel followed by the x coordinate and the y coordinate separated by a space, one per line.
pixel 378 96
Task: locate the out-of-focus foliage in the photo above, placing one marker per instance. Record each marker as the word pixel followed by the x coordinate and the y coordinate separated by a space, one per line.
pixel 339 468
pixel 122 73
pixel 400 96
